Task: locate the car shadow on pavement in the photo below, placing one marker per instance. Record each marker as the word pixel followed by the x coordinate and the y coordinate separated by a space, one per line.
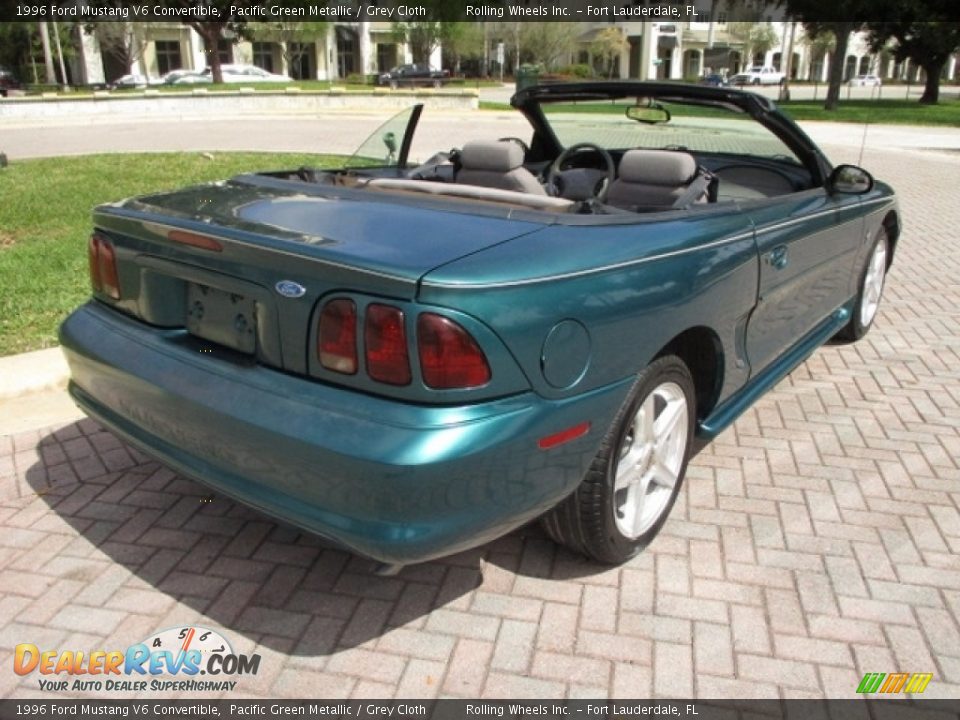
pixel 188 550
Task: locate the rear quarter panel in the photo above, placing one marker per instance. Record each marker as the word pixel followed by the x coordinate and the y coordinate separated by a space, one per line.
pixel 633 287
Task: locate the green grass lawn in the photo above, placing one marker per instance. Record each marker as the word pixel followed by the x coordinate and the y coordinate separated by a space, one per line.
pixel 894 112
pixel 45 223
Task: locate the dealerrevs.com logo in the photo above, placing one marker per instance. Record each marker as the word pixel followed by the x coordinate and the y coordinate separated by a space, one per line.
pixel 171 660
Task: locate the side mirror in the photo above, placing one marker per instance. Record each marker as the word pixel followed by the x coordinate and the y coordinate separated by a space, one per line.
pixel 390 140
pixel 850 180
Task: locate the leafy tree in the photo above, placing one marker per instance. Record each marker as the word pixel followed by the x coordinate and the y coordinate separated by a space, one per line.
pixel 214 32
pixel 425 36
pixel 17 47
pixel 463 40
pixel 609 45
pixel 294 37
pixel 124 41
pixel 763 38
pixel 758 38
pixel 549 42
pixel 820 45
pixel 924 31
pixel 819 18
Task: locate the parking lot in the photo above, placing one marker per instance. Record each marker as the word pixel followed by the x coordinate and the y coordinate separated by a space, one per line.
pixel 816 540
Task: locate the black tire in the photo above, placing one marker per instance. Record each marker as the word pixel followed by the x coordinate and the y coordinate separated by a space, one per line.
pixel 856 328
pixel 587 521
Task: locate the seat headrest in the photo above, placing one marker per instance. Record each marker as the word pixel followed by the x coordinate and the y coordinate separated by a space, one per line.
pixel 491 155
pixel 657 167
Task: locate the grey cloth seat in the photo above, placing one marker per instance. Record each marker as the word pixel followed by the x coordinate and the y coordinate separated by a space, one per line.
pixel 651 179
pixel 496 164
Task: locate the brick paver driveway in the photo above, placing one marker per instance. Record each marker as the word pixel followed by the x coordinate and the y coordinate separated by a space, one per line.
pixel 816 540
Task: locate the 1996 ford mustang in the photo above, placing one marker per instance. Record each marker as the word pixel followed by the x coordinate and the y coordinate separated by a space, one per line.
pixel 413 359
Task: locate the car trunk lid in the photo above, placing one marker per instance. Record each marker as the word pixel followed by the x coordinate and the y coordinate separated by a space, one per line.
pixel 243 265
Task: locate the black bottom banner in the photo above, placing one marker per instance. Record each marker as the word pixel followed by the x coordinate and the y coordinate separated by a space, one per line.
pixel 469 709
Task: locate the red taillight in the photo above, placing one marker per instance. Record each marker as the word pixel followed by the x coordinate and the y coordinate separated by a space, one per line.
pixel 385 338
pixel 449 357
pixel 337 341
pixel 93 252
pixel 103 266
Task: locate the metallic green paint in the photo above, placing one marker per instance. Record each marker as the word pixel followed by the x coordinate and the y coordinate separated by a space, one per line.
pixel 404 474
pixel 394 481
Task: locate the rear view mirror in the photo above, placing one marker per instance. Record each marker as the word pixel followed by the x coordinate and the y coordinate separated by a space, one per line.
pixel 850 180
pixel 651 114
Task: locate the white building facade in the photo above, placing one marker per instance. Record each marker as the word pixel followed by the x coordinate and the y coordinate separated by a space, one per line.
pixel 667 51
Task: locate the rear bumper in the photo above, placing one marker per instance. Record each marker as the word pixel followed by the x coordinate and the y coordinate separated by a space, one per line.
pixel 396 482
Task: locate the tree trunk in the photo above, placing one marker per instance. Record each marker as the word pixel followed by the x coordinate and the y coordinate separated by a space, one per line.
pixel 212 46
pixel 210 33
pixel 51 78
pixel 931 89
pixel 838 60
pixel 63 67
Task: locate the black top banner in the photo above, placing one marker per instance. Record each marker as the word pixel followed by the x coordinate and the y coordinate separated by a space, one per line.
pixel 502 11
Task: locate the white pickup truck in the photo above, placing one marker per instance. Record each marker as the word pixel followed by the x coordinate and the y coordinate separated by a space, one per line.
pixel 758 75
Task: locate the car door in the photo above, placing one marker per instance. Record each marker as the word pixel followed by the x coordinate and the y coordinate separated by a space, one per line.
pixel 807 244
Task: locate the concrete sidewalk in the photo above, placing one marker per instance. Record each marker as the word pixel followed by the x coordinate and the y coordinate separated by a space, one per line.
pixel 32 392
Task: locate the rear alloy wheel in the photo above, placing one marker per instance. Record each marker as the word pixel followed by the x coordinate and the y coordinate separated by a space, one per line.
pixel 628 492
pixel 871 289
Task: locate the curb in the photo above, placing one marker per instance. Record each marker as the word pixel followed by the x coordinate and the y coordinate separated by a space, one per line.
pixel 32 372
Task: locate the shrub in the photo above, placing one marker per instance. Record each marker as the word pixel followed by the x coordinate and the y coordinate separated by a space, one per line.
pixel 581 70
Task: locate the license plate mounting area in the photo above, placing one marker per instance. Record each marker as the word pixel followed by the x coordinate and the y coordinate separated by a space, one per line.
pixel 222 317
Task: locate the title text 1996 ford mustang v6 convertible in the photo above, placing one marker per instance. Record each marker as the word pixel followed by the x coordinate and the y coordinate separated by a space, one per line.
pixel 411 360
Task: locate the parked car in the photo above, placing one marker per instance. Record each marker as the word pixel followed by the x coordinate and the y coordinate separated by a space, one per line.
pixel 714 80
pixel 412 75
pixel 865 81
pixel 758 75
pixel 132 81
pixel 182 77
pixel 413 358
pixel 8 81
pixel 232 74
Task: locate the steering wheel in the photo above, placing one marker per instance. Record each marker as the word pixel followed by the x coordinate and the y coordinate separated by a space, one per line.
pixel 582 183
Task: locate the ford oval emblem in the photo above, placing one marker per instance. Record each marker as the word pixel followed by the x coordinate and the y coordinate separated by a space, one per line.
pixel 290 289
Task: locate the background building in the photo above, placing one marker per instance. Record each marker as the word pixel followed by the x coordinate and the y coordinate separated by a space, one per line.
pixel 674 51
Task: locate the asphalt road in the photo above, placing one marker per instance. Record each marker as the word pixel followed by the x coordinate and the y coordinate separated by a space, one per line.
pixel 342 133
pixel 333 133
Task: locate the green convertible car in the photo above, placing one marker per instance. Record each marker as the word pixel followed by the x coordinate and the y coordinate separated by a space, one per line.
pixel 411 359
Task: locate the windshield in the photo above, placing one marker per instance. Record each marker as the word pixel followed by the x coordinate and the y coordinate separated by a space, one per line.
pixel 382 148
pixel 642 123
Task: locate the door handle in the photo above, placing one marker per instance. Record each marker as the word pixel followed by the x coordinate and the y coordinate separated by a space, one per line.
pixel 779 257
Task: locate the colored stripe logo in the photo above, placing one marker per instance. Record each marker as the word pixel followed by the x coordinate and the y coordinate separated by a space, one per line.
pixel 894 683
